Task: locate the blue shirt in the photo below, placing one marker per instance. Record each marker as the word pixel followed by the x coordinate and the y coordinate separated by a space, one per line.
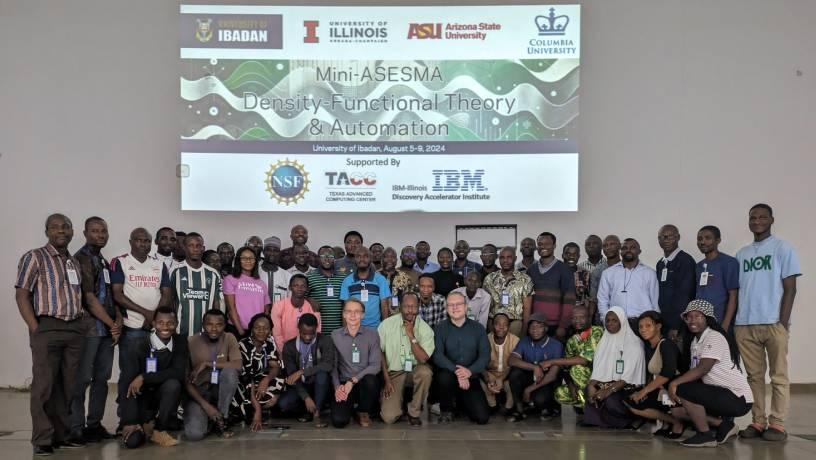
pixel 430 267
pixel 536 352
pixel 377 287
pixel 633 290
pixel 723 276
pixel 763 265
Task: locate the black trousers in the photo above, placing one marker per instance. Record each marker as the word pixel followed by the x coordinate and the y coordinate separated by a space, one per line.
pixel 542 398
pixel 717 401
pixel 160 399
pixel 364 394
pixel 471 401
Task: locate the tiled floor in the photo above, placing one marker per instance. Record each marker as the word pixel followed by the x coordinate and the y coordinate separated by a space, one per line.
pixel 458 441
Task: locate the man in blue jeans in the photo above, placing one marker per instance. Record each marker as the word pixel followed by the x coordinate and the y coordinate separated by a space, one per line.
pixel 308 359
pixel 105 326
pixel 140 284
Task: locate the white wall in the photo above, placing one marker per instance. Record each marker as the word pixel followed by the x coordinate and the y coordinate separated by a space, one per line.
pixel 690 112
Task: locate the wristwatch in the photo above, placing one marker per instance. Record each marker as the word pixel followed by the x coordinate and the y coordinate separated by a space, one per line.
pixel 414 341
pixel 354 380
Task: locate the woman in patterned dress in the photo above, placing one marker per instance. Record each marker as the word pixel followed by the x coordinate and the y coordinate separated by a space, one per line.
pixel 259 385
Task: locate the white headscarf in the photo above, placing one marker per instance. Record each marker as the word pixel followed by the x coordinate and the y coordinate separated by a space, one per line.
pixel 625 345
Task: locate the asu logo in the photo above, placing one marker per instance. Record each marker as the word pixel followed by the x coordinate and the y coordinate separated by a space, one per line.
pixel 287 181
pixel 204 30
pixel 428 30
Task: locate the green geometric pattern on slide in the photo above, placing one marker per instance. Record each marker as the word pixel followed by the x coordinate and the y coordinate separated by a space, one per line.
pixel 493 74
pixel 524 128
pixel 257 76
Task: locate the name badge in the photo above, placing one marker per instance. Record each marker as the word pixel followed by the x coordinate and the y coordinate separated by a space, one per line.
pixel 364 295
pixel 394 302
pixel 409 365
pixel 619 366
pixel 505 298
pixel 214 376
pixel 152 365
pixel 329 291
pixel 664 274
pixel 704 279
pixel 355 357
pixel 106 275
pixel 73 278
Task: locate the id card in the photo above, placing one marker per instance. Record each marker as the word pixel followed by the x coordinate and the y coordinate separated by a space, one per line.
pixel 394 302
pixel 152 365
pixel 73 278
pixel 214 376
pixel 329 291
pixel 619 366
pixel 355 356
pixel 409 365
pixel 664 274
pixel 505 298
pixel 704 279
pixel 364 295
pixel 106 274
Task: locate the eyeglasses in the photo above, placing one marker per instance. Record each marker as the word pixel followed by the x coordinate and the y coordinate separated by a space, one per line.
pixel 327 257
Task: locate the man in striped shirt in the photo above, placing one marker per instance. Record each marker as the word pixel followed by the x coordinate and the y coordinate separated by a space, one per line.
pixel 196 287
pixel 49 296
pixel 324 291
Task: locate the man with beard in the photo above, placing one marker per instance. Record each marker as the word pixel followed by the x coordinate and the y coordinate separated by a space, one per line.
pixel 300 236
pixel 324 289
pixel 462 266
pixel 423 264
pixel 629 284
pixel 527 249
pixel 407 261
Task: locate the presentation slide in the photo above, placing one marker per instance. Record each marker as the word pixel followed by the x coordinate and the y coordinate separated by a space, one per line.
pixel 379 109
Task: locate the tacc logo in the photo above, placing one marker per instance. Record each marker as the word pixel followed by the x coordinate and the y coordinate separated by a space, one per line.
pixel 354 179
pixel 311 32
pixel 424 31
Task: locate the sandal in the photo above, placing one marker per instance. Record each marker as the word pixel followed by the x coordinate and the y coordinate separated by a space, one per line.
pixel 221 429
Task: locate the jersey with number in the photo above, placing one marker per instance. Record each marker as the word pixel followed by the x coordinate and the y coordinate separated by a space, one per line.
pixel 142 283
pixel 196 290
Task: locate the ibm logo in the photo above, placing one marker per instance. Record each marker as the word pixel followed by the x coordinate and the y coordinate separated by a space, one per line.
pixel 455 180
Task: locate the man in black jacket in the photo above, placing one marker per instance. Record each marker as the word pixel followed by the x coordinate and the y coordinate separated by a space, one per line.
pixel 154 373
pixel 308 360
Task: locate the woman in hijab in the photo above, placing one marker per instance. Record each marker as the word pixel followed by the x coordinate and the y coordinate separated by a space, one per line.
pixel 618 369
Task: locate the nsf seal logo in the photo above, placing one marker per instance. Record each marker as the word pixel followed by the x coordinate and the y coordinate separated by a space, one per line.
pixel 287 181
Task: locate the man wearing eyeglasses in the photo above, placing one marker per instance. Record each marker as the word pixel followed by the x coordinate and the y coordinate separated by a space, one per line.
pixel 324 290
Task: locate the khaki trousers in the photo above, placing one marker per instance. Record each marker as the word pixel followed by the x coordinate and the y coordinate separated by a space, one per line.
pixel 755 342
pixel 491 397
pixel 421 376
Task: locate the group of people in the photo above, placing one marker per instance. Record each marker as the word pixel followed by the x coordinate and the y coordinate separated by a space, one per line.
pixel 226 337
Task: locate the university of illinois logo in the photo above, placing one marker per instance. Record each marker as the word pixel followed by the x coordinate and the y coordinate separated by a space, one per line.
pixel 287 181
pixel 204 30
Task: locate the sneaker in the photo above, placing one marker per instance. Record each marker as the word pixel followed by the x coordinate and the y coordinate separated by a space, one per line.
pixel 72 442
pixel 445 417
pixel 752 431
pixel 775 433
pixel 163 439
pixel 96 434
pixel 43 451
pixel 706 439
pixel 516 416
pixel 434 409
pixel 365 420
pixel 726 430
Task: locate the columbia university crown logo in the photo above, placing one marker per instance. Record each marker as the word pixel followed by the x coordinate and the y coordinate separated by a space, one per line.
pixel 287 181
pixel 552 24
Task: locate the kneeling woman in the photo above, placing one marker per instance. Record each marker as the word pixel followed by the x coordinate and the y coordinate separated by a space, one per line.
pixel 260 385
pixel 661 361
pixel 714 390
pixel 618 369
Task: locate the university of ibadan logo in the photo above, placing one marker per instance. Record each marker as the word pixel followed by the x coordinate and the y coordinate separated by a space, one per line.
pixel 204 30
pixel 287 181
pixel 552 24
